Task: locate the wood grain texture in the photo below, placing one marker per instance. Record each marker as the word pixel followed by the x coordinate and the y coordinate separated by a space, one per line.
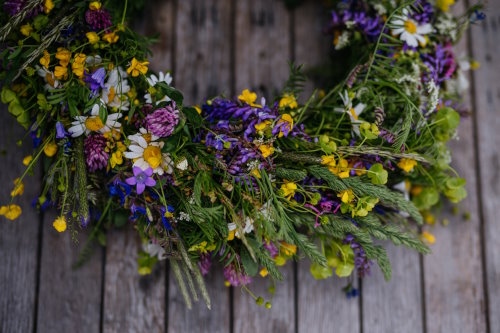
pixel 203 49
pixel 200 319
pixel 69 300
pixel 132 303
pixel 453 272
pixel 395 305
pixel 262 46
pixel 19 238
pixel 311 45
pixel 158 18
pixel 485 47
pixel 248 317
pixel 323 306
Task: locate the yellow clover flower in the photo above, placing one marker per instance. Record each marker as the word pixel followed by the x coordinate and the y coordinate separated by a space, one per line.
pixel 248 97
pixel 266 150
pixel 61 72
pixel 11 212
pixel 288 100
pixel 288 189
pixel 342 169
pixel 60 224
pixel 27 160
pixel 78 64
pixel 288 249
pixel 48 5
pixel 92 37
pixel 138 67
pixel 329 161
pixel 26 29
pixel 18 188
pixel 407 164
pixel 64 55
pixel 50 149
pixel 346 196
pixel 262 125
pixel 45 59
pixel 111 38
pixel 428 237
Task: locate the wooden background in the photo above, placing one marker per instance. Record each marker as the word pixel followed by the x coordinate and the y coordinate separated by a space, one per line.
pixel 214 46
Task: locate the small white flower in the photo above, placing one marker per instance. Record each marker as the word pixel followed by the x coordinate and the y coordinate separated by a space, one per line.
pixel 247 228
pixel 146 153
pixel 93 123
pixel 182 165
pixel 49 77
pixel 154 250
pixel 409 30
pixel 162 77
pixel 115 89
pixel 342 41
pixel 352 112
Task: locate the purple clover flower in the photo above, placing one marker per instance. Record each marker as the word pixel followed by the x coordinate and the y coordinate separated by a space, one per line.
pixel 99 19
pixel 204 264
pixel 162 121
pixel 141 179
pixel 95 153
pixel 234 277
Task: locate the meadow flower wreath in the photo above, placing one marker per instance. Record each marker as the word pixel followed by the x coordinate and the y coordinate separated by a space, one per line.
pixel 246 181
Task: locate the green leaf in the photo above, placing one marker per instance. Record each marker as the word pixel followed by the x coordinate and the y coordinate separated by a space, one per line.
pixel 377 174
pixel 250 266
pixel 193 118
pixel 320 272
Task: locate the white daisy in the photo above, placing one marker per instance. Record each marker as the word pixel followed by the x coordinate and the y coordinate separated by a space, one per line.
pixel 145 151
pixel 352 112
pixel 50 79
pixel 154 250
pixel 247 228
pixel 409 30
pixel 115 89
pixel 153 80
pixel 93 123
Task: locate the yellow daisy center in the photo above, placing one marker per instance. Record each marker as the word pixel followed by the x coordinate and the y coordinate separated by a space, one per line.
pixel 152 155
pixel 410 26
pixel 94 124
pixel 111 95
pixel 353 113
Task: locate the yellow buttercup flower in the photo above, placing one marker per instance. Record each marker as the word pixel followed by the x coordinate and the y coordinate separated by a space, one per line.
pixel 287 121
pixel 27 160
pixel 248 97
pixel 444 5
pixel 256 173
pixel 95 5
pixel 203 247
pixel 288 100
pixel 346 196
pixel 50 149
pixel 11 212
pixel 48 5
pixel 60 224
pixel 60 72
pixel 266 150
pixel 263 272
pixel 198 109
pixel 428 237
pixel 407 164
pixel 263 125
pixel 288 249
pixel 26 29
pixel 329 161
pixel 18 188
pixel 63 55
pixel 288 189
pixel 111 37
pixel 342 169
pixel 45 59
pixel 92 37
pixel 138 67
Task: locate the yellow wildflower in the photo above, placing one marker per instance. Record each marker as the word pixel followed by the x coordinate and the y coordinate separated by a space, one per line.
pixel 288 100
pixel 11 212
pixel 198 109
pixel 342 169
pixel 202 247
pixel 117 156
pixel 61 72
pixel 138 67
pixel 27 160
pixel 59 224
pixel 288 249
pixel 26 29
pixel 248 97
pixel 407 164
pixel 48 5
pixel 287 122
pixel 288 189
pixel 63 55
pixel 152 155
pixel 266 150
pixel 18 188
pixel 50 149
pixel 45 60
pixel 475 65
pixel 111 38
pixel 262 125
pixel 263 272
pixel 231 235
pixel 78 64
pixel 92 37
pixel 428 237
pixel 346 196
pixel 256 173
pixel 95 5
pixel 144 270
pixel 444 5
pixel 329 161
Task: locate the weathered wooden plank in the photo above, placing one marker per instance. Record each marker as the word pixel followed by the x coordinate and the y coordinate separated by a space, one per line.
pixel 453 273
pixel 323 306
pixel 159 18
pixel 69 300
pixel 262 46
pixel 395 305
pixel 200 319
pixel 249 317
pixel 485 48
pixel 132 303
pixel 19 238
pixel 203 49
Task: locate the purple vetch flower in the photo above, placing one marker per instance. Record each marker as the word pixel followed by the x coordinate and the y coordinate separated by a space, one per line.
pixel 205 263
pixel 95 153
pixel 162 121
pixel 96 80
pixel 141 179
pixel 99 19
pixel 234 277
pixel 441 64
pixel 60 131
pixel 271 248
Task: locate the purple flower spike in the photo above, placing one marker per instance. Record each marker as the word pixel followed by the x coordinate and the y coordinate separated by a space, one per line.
pixel 60 131
pixel 141 179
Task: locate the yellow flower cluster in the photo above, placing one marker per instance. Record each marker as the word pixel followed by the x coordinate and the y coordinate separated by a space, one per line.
pixel 288 189
pixel 78 64
pixel 64 56
pixel 288 100
pixel 248 97
pixel 137 67
pixel 60 224
pixel 407 164
pixel 10 212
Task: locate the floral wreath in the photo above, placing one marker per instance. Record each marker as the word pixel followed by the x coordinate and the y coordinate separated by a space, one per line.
pixel 250 182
